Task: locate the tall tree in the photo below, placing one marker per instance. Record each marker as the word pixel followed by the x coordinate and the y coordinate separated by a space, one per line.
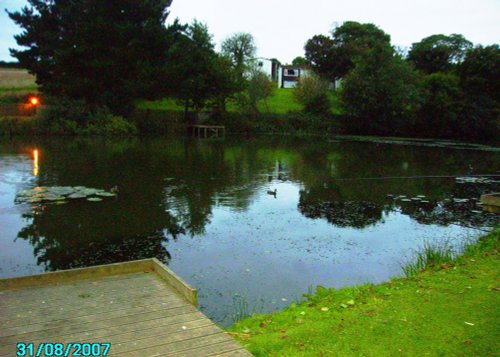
pixel 380 95
pixel 197 75
pixel 93 50
pixel 439 53
pixel 319 52
pixel 300 61
pixel 240 47
pixel 480 81
pixel 333 57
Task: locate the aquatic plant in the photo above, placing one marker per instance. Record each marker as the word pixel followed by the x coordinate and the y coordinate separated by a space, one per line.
pixel 60 194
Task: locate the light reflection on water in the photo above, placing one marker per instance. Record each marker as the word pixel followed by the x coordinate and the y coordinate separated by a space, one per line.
pixel 204 209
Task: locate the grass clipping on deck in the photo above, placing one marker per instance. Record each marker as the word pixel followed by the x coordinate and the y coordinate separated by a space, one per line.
pixel 446 308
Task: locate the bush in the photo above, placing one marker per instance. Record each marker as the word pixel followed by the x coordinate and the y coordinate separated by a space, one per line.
pixel 70 117
pixel 311 93
pixel 105 123
pixel 259 88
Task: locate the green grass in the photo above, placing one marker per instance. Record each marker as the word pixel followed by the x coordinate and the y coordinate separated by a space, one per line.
pixel 448 309
pixel 281 102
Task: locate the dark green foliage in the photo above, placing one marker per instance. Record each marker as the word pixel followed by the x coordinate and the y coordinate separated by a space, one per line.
pixel 240 47
pixel 320 54
pixel 480 72
pixel 311 93
pixel 5 64
pixel 72 117
pixel 334 57
pixel 259 88
pixel 300 61
pixel 104 53
pixel 439 53
pixel 480 82
pixel 380 94
pixel 197 75
pixel 442 103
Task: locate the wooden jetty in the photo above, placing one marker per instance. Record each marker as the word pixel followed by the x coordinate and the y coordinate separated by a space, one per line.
pixel 141 308
pixel 491 202
pixel 207 131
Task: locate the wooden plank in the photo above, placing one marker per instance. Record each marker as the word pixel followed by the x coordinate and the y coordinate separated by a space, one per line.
pixel 163 339
pixel 67 329
pixel 71 275
pixel 113 281
pixel 171 348
pixel 139 314
pixel 54 297
pixel 176 282
pixel 130 313
pixel 114 337
pixel 76 303
pixel 42 316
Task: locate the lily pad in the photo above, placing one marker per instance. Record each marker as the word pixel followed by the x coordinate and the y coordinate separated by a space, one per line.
pixel 105 194
pixel 77 195
pixel 94 199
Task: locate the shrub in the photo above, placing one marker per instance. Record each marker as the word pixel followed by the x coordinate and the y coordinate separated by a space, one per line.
pixel 71 117
pixel 105 123
pixel 311 93
pixel 259 88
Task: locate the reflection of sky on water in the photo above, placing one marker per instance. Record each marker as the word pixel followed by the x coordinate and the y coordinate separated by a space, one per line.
pixel 15 171
pixel 205 209
pixel 271 252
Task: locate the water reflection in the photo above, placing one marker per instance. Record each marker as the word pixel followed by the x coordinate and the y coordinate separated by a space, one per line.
pixel 203 208
pixel 36 166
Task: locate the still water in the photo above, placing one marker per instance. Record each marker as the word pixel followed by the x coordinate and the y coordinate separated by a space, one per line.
pixel 203 208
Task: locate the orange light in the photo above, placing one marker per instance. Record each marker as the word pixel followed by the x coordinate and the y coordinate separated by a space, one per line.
pixel 34 101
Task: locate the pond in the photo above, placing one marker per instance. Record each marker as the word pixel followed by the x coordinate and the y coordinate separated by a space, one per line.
pixel 344 212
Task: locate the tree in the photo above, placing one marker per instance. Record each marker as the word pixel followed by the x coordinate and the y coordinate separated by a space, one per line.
pixel 480 81
pixel 259 88
pixel 380 94
pixel 319 53
pixel 438 53
pixel 98 51
pixel 353 40
pixel 300 61
pixel 240 47
pixel 333 57
pixel 197 75
pixel 441 98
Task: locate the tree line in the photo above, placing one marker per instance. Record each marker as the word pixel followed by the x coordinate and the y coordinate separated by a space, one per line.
pixel 103 56
pixel 97 54
pixel 443 87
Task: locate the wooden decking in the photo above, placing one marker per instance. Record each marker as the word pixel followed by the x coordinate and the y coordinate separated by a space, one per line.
pixel 207 131
pixel 141 308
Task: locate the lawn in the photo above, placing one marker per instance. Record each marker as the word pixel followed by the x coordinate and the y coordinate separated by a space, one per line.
pixel 446 310
pixel 281 102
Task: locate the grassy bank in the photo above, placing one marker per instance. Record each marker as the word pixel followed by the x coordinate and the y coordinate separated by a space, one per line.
pixel 450 308
pixel 281 102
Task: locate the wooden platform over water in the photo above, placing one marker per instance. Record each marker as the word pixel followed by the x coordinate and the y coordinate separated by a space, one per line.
pixel 207 131
pixel 142 308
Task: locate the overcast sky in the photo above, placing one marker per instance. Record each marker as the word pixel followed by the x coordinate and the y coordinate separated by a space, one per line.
pixel 281 27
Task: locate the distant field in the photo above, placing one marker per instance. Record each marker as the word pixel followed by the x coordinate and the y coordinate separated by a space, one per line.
pixel 16 82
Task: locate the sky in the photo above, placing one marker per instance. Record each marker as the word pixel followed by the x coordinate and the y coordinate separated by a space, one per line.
pixel 281 27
